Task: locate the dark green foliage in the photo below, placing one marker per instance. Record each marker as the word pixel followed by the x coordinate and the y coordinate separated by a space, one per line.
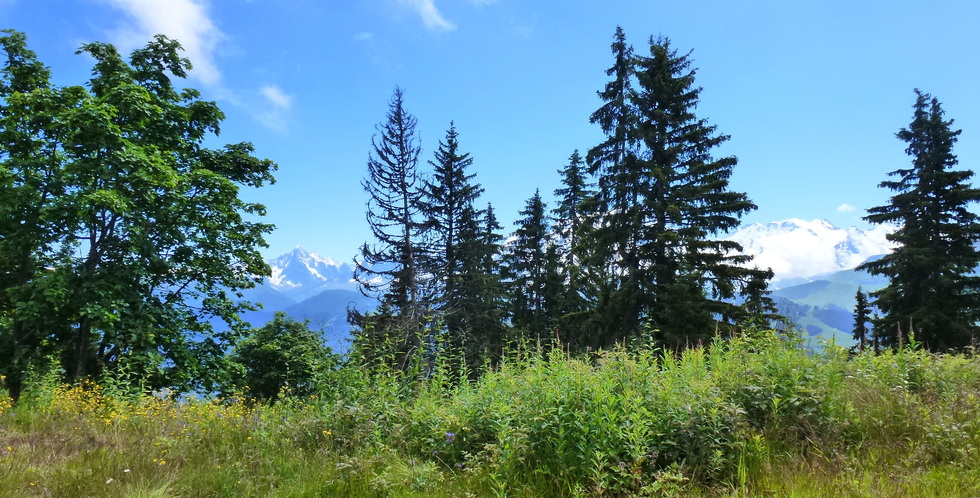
pixel 390 268
pixel 282 357
pixel 661 203
pixel 479 306
pixel 572 290
pixel 134 236
pixel 466 289
pixel 525 266
pixel 932 291
pixel 862 315
pixel 758 310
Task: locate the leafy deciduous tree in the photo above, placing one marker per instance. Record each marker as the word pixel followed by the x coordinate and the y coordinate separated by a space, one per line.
pixel 152 240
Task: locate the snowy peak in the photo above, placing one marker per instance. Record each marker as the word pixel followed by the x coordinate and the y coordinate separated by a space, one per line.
pixel 300 274
pixel 798 250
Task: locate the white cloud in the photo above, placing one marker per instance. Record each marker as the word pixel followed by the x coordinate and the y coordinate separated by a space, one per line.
pixel 276 97
pixel 364 36
pixel 845 208
pixel 430 14
pixel 274 114
pixel 186 21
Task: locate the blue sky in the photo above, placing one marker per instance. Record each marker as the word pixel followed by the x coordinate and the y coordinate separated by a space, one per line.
pixel 811 92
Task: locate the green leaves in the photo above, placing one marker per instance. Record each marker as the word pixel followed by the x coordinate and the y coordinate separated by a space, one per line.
pixel 130 231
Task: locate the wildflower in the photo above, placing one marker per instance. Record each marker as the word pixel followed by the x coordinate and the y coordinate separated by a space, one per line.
pixel 450 436
pixel 126 471
pixel 10 448
pixel 109 480
pixel 327 433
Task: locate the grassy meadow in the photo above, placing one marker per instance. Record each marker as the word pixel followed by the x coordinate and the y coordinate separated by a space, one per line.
pixel 749 416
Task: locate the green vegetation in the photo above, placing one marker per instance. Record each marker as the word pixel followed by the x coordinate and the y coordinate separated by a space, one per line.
pixel 121 235
pixel 932 288
pixel 744 417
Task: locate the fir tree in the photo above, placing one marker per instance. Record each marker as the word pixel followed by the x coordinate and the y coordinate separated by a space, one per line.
pixel 932 290
pixel 663 199
pixel 478 313
pixel 758 308
pixel 447 203
pixel 569 286
pixel 862 314
pixel 389 268
pixel 524 268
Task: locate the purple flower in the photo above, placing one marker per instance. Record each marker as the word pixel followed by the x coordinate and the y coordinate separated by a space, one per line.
pixel 450 436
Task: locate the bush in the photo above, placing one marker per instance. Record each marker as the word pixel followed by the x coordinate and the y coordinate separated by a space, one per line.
pixel 282 357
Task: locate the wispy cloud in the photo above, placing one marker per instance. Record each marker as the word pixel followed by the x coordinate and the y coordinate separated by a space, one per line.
pixel 186 21
pixel 276 97
pixel 845 208
pixel 431 16
pixel 273 114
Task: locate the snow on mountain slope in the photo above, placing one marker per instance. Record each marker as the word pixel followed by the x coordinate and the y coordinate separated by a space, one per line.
pixel 798 250
pixel 300 274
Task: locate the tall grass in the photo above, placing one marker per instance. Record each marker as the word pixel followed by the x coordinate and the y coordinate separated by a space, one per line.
pixel 747 416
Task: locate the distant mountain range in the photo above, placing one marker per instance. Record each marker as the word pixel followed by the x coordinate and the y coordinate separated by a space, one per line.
pixel 813 262
pixel 307 286
pixel 800 251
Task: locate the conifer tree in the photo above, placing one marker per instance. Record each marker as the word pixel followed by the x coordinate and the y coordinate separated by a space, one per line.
pixel 447 203
pixel 569 288
pixel 569 216
pixel 525 268
pixel 758 307
pixel 932 290
pixel 390 268
pixel 466 288
pixel 862 314
pixel 478 311
pixel 662 201
pixel 614 215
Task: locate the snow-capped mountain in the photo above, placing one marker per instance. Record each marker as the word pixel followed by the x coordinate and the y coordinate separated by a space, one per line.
pixel 799 250
pixel 301 275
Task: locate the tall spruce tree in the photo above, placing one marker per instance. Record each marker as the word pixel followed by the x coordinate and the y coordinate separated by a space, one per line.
pixel 478 308
pixel 570 288
pixel 447 203
pixel 663 200
pixel 615 214
pixel 862 314
pixel 390 268
pixel 525 264
pixel 466 292
pixel 932 290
